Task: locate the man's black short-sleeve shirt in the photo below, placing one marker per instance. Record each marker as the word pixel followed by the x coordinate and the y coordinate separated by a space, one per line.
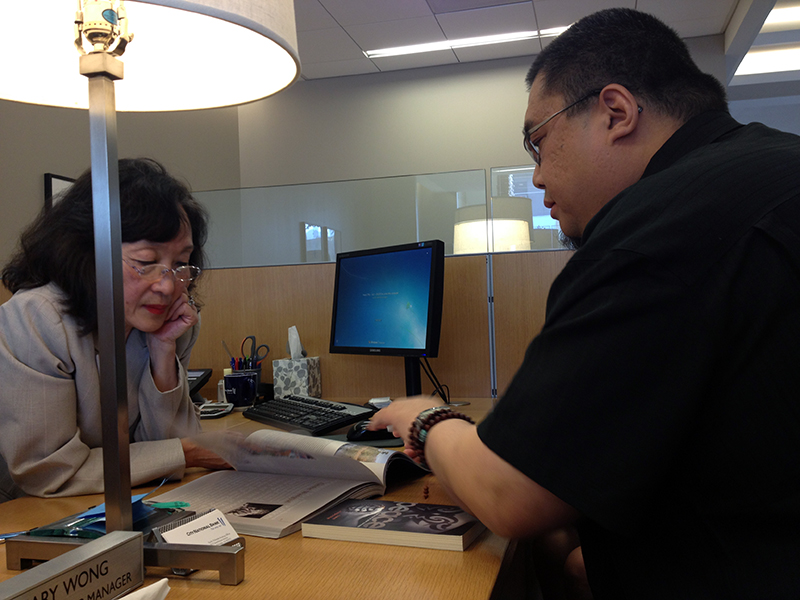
pixel 662 397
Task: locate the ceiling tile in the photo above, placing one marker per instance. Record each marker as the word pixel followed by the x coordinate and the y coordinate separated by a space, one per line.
pixel 494 51
pixel 488 21
pixel 390 34
pixel 691 18
pixel 338 68
pixel 562 13
pixel 325 45
pixel 443 6
pixel 310 15
pixel 414 61
pixel 352 12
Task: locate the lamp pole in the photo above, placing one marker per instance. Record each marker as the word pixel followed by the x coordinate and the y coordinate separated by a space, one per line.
pixel 102 69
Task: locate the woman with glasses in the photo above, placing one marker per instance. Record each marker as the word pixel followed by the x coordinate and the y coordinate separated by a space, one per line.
pixel 50 430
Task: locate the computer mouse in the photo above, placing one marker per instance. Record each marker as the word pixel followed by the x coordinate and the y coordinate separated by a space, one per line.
pixel 359 433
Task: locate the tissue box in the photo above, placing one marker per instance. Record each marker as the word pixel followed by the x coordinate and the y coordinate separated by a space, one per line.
pixel 297 376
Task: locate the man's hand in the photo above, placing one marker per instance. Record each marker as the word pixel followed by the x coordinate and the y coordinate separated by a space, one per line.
pixel 400 415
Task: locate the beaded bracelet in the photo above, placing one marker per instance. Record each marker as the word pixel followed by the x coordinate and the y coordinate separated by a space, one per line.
pixel 423 423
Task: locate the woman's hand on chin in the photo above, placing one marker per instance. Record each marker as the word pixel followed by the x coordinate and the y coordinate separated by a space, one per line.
pixel 180 317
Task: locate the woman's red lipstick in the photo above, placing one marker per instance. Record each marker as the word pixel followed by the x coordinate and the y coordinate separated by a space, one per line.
pixel 156 309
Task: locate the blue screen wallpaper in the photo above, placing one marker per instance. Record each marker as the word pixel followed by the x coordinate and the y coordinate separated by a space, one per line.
pixel 382 300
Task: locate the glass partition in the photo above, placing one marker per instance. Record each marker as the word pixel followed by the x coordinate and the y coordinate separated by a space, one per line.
pixel 519 218
pixel 312 222
pixel 307 223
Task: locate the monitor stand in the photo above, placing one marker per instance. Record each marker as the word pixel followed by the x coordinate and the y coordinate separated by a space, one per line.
pixel 414 379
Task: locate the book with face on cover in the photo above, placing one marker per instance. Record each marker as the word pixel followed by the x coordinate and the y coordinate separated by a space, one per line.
pixel 436 526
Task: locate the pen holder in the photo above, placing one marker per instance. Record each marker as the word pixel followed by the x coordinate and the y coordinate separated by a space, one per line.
pixel 297 376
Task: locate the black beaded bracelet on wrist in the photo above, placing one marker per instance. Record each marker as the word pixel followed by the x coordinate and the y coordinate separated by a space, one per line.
pixel 423 423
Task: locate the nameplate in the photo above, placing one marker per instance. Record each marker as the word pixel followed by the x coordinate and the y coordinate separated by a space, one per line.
pixel 102 569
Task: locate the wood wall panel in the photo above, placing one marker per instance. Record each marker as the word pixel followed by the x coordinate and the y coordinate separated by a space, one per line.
pixel 266 301
pixel 464 364
pixel 521 284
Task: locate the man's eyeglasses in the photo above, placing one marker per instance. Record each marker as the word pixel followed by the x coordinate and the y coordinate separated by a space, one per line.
pixel 531 146
pixel 184 273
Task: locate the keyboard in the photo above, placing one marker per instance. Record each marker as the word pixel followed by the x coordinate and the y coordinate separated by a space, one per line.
pixel 312 415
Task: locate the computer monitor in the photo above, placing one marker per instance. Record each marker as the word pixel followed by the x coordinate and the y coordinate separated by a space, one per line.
pixel 388 302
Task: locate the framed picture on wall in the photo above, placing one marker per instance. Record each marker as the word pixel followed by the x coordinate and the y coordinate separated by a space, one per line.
pixel 54 187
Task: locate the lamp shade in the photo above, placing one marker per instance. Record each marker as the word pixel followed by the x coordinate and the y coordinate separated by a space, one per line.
pixel 508 229
pixel 185 54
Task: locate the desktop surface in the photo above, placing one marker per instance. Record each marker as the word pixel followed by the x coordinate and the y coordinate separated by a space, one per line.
pixel 297 567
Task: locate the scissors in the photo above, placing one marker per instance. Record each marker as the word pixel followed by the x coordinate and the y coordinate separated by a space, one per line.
pixel 255 356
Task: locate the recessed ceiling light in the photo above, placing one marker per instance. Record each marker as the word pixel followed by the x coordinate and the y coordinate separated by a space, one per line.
pixel 789 14
pixel 769 61
pixel 775 58
pixel 464 43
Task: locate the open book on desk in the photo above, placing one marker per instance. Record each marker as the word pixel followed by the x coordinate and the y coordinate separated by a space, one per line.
pixel 283 478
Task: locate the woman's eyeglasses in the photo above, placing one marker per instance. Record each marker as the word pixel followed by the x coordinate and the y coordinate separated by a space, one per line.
pixel 184 273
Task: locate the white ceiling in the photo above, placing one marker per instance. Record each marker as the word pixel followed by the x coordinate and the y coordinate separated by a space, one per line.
pixel 332 34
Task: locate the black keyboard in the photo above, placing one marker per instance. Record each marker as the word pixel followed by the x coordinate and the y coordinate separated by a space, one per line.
pixel 312 415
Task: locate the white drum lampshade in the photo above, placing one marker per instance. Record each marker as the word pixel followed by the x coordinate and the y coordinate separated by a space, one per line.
pixel 185 54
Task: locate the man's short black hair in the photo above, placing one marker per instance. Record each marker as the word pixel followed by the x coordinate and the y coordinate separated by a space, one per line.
pixel 633 49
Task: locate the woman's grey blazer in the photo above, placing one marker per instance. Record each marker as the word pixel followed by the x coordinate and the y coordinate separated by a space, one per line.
pixel 50 425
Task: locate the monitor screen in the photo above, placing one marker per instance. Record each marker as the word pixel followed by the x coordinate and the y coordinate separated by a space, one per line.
pixel 388 301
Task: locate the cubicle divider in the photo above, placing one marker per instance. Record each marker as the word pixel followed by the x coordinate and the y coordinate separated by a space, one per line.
pixel 266 301
pixel 522 282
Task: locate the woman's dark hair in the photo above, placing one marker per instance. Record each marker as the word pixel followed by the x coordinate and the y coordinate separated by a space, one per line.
pixel 633 49
pixel 58 246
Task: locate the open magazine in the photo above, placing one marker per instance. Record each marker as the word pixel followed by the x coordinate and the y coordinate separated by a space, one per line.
pixel 283 478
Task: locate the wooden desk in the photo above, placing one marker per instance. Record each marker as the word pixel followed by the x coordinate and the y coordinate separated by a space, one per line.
pixel 306 568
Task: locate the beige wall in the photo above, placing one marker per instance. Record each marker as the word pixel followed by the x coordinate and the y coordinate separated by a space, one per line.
pixel 424 121
pixel 201 147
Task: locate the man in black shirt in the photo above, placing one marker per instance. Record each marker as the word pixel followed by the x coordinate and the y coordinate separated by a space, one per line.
pixel 657 411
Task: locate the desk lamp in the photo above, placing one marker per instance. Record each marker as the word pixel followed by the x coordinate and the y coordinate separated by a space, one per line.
pixel 507 228
pixel 186 54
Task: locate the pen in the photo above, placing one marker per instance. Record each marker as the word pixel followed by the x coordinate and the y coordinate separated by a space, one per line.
pixel 233 363
pixel 177 504
pixel 224 345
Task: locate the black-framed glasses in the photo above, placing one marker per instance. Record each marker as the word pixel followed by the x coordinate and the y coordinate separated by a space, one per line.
pixel 532 147
pixel 152 273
